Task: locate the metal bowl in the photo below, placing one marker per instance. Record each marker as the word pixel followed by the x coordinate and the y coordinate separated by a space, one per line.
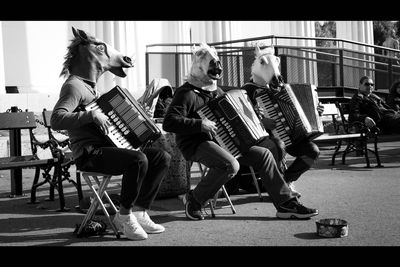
pixel 332 227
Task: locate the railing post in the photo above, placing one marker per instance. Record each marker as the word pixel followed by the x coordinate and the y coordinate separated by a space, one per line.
pixel 238 70
pixel 147 68
pixel 341 68
pixel 390 72
pixel 334 75
pixel 177 70
pixel 284 70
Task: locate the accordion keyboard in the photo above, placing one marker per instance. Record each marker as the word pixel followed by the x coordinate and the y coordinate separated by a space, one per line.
pixel 239 128
pixel 130 127
pixel 293 125
pixel 273 112
pixel 117 131
pixel 223 137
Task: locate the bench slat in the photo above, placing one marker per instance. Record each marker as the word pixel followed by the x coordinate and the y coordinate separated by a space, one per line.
pixel 17 120
pixel 24 162
pixel 337 136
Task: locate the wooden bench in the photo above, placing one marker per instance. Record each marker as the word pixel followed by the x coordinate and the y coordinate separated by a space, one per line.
pixel 353 136
pixel 16 120
pixel 64 146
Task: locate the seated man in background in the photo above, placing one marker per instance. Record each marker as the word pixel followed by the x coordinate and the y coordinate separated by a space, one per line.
pixel 368 108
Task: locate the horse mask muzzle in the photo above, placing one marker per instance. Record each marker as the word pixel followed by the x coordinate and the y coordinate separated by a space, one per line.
pixel 116 60
pixel 276 81
pixel 123 62
pixel 215 69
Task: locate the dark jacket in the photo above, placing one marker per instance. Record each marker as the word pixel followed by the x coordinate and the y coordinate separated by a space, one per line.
pixel 393 99
pixel 394 102
pixel 252 90
pixel 182 119
pixel 372 106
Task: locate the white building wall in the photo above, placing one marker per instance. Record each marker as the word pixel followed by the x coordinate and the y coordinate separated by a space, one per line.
pixel 32 52
pixel 2 81
pixel 358 31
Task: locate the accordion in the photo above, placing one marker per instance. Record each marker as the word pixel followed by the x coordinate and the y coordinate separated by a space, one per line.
pixel 295 114
pixel 131 126
pixel 239 127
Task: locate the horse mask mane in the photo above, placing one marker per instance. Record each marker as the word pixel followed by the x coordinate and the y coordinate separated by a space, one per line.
pixel 87 49
pixel 206 68
pixel 265 69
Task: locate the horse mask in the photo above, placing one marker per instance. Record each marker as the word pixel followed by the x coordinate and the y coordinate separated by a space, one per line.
pixel 92 50
pixel 206 68
pixel 265 69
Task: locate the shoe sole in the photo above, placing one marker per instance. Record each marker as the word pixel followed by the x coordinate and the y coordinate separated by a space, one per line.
pixel 120 228
pixel 154 232
pixel 187 213
pixel 292 215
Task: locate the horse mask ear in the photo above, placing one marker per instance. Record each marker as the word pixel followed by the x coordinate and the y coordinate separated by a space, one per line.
pixel 80 34
pixel 257 51
pixel 194 49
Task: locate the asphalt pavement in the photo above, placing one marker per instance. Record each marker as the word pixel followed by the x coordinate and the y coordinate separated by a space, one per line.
pixel 367 198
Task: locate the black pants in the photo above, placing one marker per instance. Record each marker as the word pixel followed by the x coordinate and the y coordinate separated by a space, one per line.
pixel 306 154
pixel 390 124
pixel 142 172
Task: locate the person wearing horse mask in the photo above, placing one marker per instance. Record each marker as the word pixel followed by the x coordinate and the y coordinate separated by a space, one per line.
pixel 195 139
pixel 265 75
pixel 142 171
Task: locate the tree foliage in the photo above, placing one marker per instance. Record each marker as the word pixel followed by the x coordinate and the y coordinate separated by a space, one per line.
pixel 327 30
pixel 382 29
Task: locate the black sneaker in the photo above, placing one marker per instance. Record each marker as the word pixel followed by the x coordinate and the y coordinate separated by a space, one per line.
pixel 193 209
pixel 292 209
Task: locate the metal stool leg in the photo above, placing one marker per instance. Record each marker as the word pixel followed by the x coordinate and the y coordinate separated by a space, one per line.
pixel 99 196
pixel 229 199
pixel 99 193
pixel 253 174
pixel 213 202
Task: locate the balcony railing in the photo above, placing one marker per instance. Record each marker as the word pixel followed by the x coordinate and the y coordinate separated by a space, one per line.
pixel 338 63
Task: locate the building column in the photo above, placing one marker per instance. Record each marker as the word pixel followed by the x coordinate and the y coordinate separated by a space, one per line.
pixel 2 79
pixel 357 31
pixel 299 70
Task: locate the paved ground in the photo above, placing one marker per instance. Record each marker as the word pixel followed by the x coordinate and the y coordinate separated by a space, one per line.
pixel 368 198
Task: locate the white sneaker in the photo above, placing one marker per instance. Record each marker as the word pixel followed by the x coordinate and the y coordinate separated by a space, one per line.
pixel 129 226
pixel 293 189
pixel 148 225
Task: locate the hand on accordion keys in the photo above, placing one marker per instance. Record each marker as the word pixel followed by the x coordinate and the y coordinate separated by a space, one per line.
pixel 209 127
pixel 268 123
pixel 101 120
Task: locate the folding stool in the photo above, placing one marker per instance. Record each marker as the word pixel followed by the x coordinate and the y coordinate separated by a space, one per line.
pixel 102 181
pixel 213 202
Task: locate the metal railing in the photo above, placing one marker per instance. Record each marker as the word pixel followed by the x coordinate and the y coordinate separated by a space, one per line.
pixel 339 63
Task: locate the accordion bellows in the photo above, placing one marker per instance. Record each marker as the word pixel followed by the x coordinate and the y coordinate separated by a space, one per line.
pixel 295 113
pixel 239 127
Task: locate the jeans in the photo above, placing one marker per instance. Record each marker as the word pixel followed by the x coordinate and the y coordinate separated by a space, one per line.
pixel 223 166
pixel 142 172
pixel 306 154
